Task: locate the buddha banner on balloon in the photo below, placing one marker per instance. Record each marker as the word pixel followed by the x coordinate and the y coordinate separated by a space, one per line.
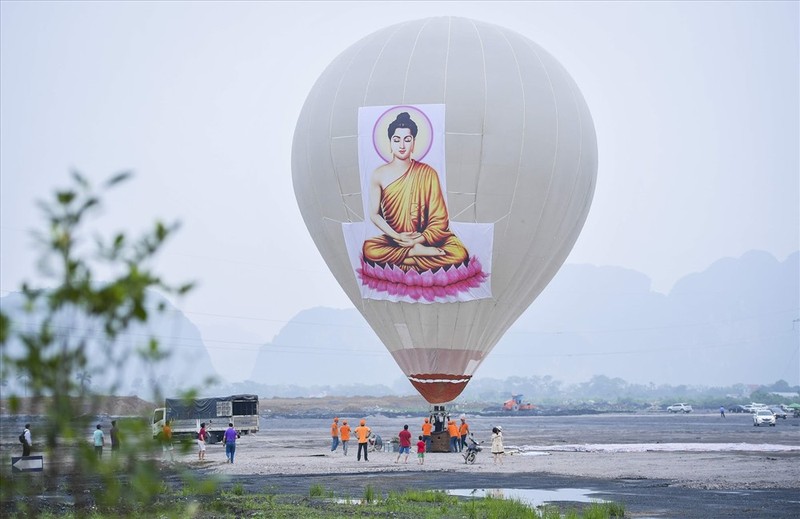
pixel 408 249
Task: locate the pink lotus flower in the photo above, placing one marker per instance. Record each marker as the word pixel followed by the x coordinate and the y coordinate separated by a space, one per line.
pixel 430 285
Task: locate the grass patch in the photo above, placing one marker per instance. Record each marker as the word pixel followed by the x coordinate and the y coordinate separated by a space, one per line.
pixel 499 508
pixel 410 504
pixel 316 490
pixel 604 511
pixel 369 494
pixel 237 489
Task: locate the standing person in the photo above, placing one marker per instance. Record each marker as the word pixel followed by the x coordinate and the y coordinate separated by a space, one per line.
pixel 405 443
pixel 99 441
pixel 202 436
pixel 344 431
pixel 426 434
pixel 722 411
pixel 362 433
pixel 114 433
pixel 334 434
pixel 463 431
pixel 421 450
pixel 497 444
pixel 230 442
pixel 166 442
pixel 27 440
pixel 455 439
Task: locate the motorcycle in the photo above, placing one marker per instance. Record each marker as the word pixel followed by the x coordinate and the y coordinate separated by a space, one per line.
pixel 472 450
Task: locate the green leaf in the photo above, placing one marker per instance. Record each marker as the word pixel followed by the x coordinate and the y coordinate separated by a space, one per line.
pixel 65 197
pixel 118 178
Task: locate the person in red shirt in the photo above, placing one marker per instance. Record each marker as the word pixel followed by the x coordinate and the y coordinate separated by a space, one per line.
pixel 421 450
pixel 202 436
pixel 405 443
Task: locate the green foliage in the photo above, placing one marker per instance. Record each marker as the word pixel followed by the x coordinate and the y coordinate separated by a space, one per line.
pixel 54 364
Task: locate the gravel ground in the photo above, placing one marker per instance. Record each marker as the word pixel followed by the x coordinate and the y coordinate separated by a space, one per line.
pixel 691 451
pixel 657 465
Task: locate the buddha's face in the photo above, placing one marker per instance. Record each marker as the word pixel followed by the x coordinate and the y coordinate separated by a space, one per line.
pixel 402 143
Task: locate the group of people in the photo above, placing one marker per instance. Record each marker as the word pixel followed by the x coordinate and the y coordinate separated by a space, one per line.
pixel 229 437
pixel 404 439
pixel 458 439
pixel 362 433
pixel 98 439
pixel 458 434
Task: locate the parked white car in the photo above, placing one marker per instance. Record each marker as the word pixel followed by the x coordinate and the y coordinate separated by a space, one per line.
pixel 763 416
pixel 680 408
pixel 752 407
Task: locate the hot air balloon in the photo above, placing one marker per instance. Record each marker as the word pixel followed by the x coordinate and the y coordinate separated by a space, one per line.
pixel 444 168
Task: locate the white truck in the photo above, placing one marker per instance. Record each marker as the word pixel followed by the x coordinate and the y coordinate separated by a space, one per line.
pixel 186 415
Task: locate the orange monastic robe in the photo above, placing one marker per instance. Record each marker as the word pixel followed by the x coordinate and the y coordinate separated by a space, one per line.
pixel 415 203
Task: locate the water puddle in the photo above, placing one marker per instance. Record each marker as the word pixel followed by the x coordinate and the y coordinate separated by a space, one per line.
pixel 531 496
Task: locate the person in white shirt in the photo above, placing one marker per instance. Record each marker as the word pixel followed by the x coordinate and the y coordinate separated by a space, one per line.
pixel 26 447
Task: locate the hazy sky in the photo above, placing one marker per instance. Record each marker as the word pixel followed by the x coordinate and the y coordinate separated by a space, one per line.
pixel 695 105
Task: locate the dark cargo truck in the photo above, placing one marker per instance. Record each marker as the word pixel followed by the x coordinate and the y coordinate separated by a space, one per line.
pixel 186 415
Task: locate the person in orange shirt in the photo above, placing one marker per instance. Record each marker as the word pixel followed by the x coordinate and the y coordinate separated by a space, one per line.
pixel 334 434
pixel 362 433
pixel 455 439
pixel 344 432
pixel 426 434
pixel 463 430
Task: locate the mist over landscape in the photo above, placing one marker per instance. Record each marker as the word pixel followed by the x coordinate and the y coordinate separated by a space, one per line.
pixel 732 324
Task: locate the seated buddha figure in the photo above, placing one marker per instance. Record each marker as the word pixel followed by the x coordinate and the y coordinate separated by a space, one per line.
pixel 407 204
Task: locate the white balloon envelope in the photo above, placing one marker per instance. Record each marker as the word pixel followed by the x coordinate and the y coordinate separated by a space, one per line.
pixel 444 168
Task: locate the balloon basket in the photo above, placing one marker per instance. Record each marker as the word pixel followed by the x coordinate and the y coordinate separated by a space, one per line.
pixel 440 442
pixel 440 438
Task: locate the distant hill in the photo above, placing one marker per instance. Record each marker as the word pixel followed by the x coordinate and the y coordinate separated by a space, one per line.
pixel 106 405
pixel 326 346
pixel 729 324
pixel 187 364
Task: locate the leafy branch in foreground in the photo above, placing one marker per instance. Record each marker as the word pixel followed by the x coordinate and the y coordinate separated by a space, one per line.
pixel 55 351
